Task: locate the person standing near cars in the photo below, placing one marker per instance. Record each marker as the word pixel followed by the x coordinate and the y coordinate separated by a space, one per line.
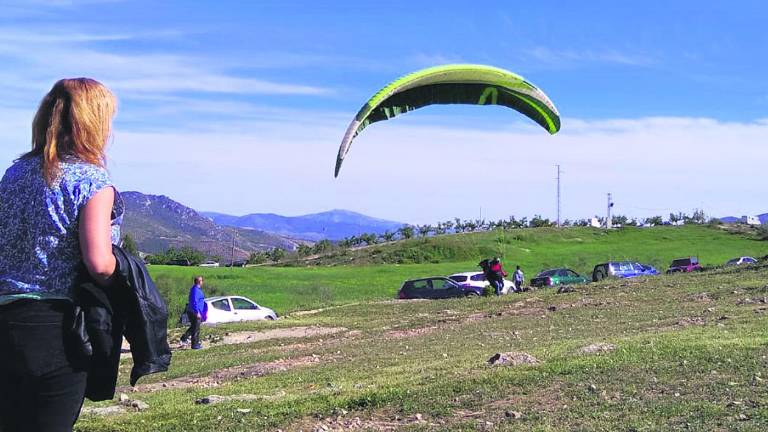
pixel 496 275
pixel 60 214
pixel 196 311
pixel 518 279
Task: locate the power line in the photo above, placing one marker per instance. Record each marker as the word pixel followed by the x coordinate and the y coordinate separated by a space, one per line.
pixel 232 261
pixel 608 220
pixel 558 195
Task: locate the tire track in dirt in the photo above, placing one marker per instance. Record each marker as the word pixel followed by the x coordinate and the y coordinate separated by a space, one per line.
pixel 226 375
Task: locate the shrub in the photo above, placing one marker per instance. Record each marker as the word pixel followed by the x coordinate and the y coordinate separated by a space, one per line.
pixel 762 232
pixel 488 291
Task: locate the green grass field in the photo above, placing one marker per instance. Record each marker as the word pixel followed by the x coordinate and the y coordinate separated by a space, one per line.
pixel 690 354
pixel 373 273
pixel 689 351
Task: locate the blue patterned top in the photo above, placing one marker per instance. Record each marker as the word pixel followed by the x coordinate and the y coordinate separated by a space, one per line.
pixel 39 243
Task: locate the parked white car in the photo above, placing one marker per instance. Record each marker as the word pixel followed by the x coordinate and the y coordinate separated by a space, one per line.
pixel 741 260
pixel 209 264
pixel 235 308
pixel 477 279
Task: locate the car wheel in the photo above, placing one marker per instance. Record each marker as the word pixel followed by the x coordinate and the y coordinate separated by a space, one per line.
pixel 472 294
pixel 270 317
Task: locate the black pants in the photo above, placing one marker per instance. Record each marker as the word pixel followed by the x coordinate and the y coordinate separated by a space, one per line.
pixel 193 330
pixel 41 386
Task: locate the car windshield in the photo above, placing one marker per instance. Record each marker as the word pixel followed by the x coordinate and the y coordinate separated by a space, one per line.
pixel 459 278
pixel 442 283
pixel 623 266
pixel 733 261
pixel 240 303
pixel 681 262
pixel 547 273
pixel 222 304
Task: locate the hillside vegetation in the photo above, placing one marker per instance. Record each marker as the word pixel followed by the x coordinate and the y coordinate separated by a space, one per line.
pixel 369 273
pixel 576 247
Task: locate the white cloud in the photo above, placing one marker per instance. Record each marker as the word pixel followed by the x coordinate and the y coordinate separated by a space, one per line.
pixel 426 60
pixel 421 173
pixel 35 59
pixel 570 57
pixel 59 3
pixel 185 80
pixel 18 36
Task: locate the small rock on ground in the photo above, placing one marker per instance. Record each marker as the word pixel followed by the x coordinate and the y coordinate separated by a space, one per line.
pixel 103 411
pixel 513 358
pixel 134 404
pixel 597 348
pixel 214 399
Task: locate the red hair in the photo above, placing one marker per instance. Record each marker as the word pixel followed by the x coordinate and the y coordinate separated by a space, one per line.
pixel 74 119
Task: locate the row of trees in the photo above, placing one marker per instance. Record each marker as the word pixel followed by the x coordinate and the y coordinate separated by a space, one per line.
pixel 698 217
pixel 452 226
pixel 461 226
pixel 273 255
pixel 186 255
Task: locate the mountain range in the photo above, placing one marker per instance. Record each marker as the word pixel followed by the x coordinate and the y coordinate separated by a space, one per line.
pixel 157 222
pixel 331 225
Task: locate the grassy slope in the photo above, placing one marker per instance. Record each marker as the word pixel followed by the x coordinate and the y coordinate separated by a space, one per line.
pixel 287 289
pixel 683 360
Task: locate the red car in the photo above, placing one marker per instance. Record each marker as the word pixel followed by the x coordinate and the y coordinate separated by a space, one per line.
pixel 685 265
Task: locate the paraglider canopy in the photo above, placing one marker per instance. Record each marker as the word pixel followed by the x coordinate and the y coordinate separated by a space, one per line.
pixel 453 84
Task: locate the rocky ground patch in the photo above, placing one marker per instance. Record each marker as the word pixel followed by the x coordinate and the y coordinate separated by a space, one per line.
pixel 222 376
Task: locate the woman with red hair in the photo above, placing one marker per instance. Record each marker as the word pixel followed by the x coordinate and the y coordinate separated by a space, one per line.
pixel 59 212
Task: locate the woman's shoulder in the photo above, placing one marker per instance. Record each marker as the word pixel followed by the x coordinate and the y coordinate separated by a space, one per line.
pixel 82 180
pixel 76 172
pixel 23 165
pixel 24 175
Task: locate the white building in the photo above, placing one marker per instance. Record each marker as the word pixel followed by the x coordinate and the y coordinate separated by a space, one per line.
pixel 750 220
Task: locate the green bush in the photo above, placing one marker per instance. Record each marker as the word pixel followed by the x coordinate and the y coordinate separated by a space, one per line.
pixel 488 291
pixel 762 232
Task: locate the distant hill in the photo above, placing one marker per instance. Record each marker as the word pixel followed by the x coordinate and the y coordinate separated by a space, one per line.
pixel 332 225
pixel 157 222
pixel 536 249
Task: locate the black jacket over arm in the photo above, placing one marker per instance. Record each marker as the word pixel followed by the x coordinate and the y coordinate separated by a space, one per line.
pixel 131 306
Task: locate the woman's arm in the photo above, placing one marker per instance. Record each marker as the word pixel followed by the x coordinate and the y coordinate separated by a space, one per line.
pixel 96 236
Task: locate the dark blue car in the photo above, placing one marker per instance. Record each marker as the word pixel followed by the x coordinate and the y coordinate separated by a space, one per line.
pixel 621 269
pixel 647 270
pixel 436 288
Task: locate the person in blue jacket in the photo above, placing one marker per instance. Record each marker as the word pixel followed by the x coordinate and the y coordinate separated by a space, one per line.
pixel 196 311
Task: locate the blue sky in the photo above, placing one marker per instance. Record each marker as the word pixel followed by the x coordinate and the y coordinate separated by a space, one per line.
pixel 238 107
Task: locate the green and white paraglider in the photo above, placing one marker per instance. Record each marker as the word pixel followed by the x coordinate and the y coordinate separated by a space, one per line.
pixel 453 84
